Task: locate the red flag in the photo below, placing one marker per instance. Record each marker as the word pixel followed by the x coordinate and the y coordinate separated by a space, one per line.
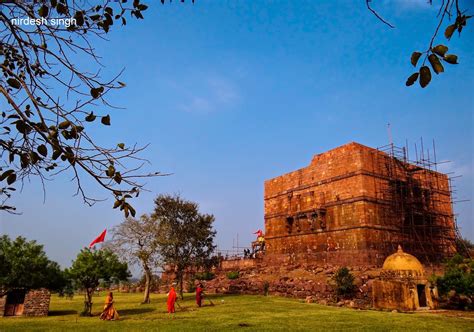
pixel 99 239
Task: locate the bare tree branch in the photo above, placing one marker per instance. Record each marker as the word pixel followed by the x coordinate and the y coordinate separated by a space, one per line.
pixel 51 102
pixel 367 2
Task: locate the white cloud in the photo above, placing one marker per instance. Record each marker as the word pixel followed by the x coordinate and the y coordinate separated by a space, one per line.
pixel 209 95
pixel 456 169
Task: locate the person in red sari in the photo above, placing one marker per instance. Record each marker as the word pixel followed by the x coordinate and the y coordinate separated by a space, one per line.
pixel 199 295
pixel 171 300
pixel 109 312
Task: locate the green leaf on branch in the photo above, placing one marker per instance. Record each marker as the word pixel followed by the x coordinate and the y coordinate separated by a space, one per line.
pixel 117 203
pixel 108 20
pixel 11 178
pixel 6 174
pixel 22 127
pixel 414 58
pixel 61 8
pixel 110 171
pixel 97 92
pixel 436 64
pixel 34 157
pixel 43 150
pixel 451 58
pixel 24 160
pixel 56 154
pixel 79 17
pixel 121 145
pixel 132 210
pixel 412 79
pixel 118 177
pixel 105 120
pixel 14 83
pixel 440 50
pixel 425 76
pixel 43 11
pixel 73 133
pixel 64 124
pixel 91 117
pixel 448 33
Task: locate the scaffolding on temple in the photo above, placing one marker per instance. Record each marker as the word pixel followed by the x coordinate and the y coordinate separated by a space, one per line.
pixel 419 201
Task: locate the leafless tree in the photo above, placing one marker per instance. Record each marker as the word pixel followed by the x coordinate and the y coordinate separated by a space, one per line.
pixel 137 242
pixel 49 103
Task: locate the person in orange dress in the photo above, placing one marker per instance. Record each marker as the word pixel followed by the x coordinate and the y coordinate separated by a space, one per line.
pixel 171 300
pixel 109 312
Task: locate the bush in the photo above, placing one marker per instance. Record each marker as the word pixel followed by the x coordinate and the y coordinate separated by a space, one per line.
pixel 191 286
pixel 67 291
pixel 344 282
pixel 204 276
pixel 456 286
pixel 266 286
pixel 464 246
pixel 233 275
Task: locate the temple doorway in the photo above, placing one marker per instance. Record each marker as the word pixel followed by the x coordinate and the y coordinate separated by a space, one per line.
pixel 421 295
pixel 15 302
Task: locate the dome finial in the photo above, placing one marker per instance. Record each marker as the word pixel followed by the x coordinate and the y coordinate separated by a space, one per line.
pixel 400 248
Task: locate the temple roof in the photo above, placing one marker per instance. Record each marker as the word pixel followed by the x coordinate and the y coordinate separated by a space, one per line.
pixel 401 261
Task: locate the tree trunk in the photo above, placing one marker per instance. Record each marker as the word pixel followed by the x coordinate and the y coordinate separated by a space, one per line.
pixel 180 278
pixel 88 302
pixel 146 295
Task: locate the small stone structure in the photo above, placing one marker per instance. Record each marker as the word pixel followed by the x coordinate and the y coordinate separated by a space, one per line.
pixel 20 302
pixel 403 285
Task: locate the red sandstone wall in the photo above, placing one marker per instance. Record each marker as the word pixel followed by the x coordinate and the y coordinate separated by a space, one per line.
pixel 353 199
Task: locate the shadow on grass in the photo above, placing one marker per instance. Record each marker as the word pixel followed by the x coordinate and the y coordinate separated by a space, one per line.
pixel 243 325
pixel 62 312
pixel 136 311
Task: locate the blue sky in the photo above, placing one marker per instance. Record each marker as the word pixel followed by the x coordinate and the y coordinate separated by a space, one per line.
pixel 231 93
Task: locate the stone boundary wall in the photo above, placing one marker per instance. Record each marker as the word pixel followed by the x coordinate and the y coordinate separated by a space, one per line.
pixel 3 301
pixel 37 302
pixel 238 264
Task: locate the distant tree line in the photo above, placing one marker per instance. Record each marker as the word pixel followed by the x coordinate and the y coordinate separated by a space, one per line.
pixel 175 234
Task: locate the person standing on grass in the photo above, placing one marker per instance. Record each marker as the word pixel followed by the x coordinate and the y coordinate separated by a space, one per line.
pixel 199 294
pixel 109 312
pixel 171 299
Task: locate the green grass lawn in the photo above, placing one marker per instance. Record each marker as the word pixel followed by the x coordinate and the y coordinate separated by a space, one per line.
pixel 230 313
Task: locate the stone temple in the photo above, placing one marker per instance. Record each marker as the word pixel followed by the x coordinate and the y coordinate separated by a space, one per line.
pixel 354 205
